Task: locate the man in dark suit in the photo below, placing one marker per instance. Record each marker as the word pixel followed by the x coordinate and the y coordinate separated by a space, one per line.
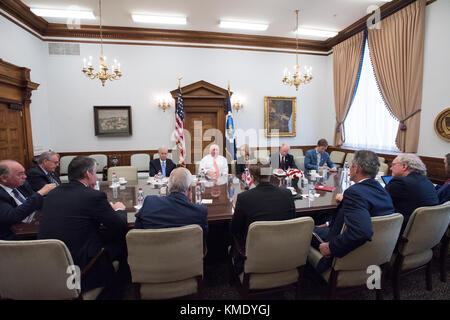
pixel 443 191
pixel 363 200
pixel 44 172
pixel 175 210
pixel 283 160
pixel 316 158
pixel 73 213
pixel 162 164
pixel 409 188
pixel 17 200
pixel 265 202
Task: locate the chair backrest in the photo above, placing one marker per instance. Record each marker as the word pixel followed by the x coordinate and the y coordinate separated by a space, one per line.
pixel 101 159
pixel 275 246
pixel 382 160
pixel 425 228
pixel 64 164
pixel 337 157
pixel 296 152
pixel 141 161
pixel 300 162
pixel 262 154
pixel 384 169
pixel 386 230
pixel 349 158
pixel 156 156
pixel 165 255
pixel 35 270
pixel 128 172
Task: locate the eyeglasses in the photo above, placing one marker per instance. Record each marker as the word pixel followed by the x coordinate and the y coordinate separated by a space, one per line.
pixel 395 163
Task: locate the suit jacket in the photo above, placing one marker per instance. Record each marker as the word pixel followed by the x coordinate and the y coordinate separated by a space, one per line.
pixel 361 201
pixel 11 213
pixel 411 192
pixel 288 161
pixel 175 210
pixel 37 178
pixel 265 202
pixel 443 193
pixel 155 166
pixel 73 213
pixel 311 160
pixel 240 165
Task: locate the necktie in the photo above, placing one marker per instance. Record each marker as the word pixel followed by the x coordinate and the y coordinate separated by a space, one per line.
pixel 52 179
pixel 282 164
pixel 216 167
pixel 163 168
pixel 18 196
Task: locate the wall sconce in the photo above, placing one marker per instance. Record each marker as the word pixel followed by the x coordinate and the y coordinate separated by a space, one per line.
pixel 238 106
pixel 164 104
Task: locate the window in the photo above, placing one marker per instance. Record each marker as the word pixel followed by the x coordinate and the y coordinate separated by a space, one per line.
pixel 369 125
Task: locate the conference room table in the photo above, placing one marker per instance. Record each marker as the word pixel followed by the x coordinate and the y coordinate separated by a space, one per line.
pixel 219 197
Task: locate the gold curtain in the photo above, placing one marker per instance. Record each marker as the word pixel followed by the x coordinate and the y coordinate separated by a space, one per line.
pixel 347 57
pixel 396 50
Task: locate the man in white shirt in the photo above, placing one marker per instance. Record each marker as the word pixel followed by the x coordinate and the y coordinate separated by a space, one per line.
pixel 17 199
pixel 214 164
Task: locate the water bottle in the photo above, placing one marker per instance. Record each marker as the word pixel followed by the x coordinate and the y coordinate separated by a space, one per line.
pixel 198 193
pixel 325 170
pixel 140 198
pixel 202 174
pixel 159 176
pixel 97 185
pixel 114 180
pixel 346 166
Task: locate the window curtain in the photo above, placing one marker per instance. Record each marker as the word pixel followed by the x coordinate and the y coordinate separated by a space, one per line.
pixel 347 58
pixel 397 51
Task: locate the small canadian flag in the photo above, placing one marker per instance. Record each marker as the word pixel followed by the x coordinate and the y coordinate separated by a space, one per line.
pixel 247 179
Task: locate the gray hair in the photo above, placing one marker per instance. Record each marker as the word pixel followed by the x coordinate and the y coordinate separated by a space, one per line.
pixel 5 170
pixel 413 162
pixel 180 180
pixel 78 167
pixel 47 155
pixel 368 162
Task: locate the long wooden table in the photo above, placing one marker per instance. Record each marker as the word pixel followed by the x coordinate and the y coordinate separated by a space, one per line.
pixel 223 198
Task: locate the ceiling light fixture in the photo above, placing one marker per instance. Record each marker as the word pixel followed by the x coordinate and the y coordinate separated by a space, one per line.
pixel 62 13
pixel 296 79
pixel 316 32
pixel 103 74
pixel 158 19
pixel 243 25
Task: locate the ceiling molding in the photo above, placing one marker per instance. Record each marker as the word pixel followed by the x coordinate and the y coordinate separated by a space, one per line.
pixel 22 12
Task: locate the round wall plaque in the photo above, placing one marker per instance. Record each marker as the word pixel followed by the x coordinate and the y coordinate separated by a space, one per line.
pixel 442 125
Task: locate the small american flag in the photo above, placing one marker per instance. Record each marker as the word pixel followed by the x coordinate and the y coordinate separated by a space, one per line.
pixel 179 127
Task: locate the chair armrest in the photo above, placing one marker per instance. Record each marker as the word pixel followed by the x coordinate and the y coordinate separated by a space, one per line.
pixel 238 247
pixel 93 261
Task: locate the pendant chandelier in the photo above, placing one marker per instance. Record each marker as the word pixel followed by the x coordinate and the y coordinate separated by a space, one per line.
pixel 297 79
pixel 102 74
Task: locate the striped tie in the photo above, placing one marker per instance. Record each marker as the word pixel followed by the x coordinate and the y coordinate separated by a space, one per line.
pixel 18 196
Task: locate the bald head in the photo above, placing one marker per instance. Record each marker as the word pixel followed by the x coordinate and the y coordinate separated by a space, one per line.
pixel 214 150
pixel 12 174
pixel 284 149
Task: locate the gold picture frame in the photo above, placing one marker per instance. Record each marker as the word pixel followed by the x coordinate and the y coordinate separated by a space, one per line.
pixel 280 116
pixel 442 125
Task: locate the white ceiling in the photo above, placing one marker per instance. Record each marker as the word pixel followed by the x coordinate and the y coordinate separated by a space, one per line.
pixel 204 15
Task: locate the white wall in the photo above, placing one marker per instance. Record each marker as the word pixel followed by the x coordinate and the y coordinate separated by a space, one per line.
pixel 151 71
pixel 25 50
pixel 436 89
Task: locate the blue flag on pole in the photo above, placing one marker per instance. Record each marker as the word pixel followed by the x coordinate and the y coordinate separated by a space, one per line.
pixel 230 147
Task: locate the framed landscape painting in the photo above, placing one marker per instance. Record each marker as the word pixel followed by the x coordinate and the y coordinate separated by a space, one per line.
pixel 112 121
pixel 279 116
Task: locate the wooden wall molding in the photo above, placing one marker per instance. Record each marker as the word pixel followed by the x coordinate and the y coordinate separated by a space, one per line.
pixel 22 12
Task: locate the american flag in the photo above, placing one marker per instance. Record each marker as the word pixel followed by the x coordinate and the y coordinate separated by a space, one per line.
pixel 179 127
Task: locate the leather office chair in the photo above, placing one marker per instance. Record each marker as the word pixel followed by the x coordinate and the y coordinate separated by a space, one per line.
pixel 128 172
pixel 275 254
pixel 37 270
pixel 63 167
pixel 414 251
pixel 349 273
pixel 338 158
pixel 102 161
pixel 142 162
pixel 166 263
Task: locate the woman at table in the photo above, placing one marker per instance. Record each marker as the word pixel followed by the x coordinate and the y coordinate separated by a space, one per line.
pixel 243 161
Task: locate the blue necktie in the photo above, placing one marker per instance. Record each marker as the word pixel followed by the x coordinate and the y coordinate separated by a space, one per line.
pixel 163 168
pixel 18 196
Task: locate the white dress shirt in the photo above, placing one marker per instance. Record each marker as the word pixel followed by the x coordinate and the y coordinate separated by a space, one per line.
pixel 208 164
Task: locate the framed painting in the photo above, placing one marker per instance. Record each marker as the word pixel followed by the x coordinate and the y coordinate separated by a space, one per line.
pixel 280 116
pixel 112 121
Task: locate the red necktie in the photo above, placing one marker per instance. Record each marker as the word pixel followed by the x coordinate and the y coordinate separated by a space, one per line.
pixel 282 163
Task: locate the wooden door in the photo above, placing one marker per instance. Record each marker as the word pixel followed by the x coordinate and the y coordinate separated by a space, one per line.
pixel 12 134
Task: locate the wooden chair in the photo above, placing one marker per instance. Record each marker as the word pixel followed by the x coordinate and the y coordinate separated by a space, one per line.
pixel 414 251
pixel 37 270
pixel 275 253
pixel 166 263
pixel 349 273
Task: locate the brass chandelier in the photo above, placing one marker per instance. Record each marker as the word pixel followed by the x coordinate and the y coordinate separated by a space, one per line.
pixel 103 74
pixel 297 79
